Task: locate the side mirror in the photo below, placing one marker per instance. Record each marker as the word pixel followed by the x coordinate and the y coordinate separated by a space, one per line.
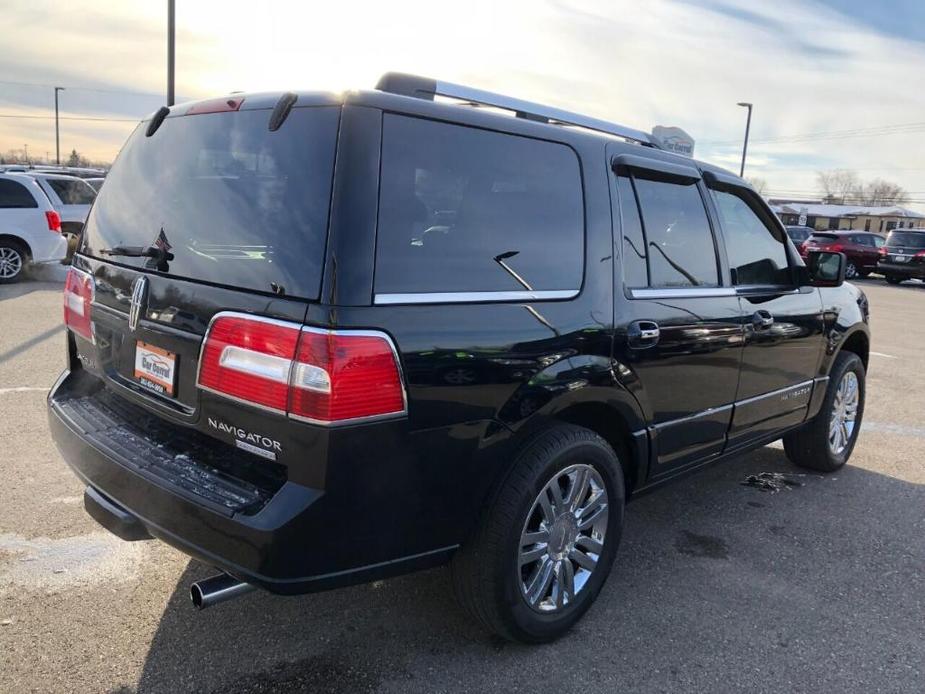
pixel 826 269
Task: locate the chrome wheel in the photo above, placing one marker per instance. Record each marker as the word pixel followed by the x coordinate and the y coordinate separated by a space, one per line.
pixel 563 538
pixel 844 413
pixel 10 262
pixel 851 271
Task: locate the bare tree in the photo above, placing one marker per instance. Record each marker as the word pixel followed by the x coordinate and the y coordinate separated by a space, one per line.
pixel 759 184
pixel 839 186
pixel 879 192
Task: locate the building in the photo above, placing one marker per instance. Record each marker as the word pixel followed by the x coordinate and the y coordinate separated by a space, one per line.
pixel 822 216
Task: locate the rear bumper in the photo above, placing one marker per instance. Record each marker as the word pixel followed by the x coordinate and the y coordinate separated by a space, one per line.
pixel 902 269
pixel 48 247
pixel 283 543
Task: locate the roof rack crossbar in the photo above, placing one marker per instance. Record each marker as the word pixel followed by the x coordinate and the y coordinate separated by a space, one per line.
pixel 425 88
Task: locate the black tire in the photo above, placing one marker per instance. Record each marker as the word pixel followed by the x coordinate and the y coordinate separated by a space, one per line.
pixel 12 250
pixel 809 446
pixel 893 279
pixel 486 570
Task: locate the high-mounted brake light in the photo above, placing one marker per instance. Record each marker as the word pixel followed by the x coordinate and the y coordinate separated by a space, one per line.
pixel 54 221
pixel 320 376
pixel 78 297
pixel 229 103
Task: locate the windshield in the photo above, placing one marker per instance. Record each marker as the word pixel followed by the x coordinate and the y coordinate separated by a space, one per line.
pixel 234 203
pixel 910 239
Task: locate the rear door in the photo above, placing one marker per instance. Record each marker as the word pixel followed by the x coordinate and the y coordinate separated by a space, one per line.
pixel 783 323
pixel 20 213
pixel 240 213
pixel 678 333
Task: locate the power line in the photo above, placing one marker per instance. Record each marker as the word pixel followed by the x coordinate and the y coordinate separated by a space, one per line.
pixel 92 118
pixel 85 89
pixel 875 131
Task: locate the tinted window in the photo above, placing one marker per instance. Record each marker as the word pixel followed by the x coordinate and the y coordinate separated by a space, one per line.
pixel 910 239
pixel 14 195
pixel 756 251
pixel 879 241
pixel 634 243
pixel 74 192
pixel 468 210
pixel 237 204
pixel 678 237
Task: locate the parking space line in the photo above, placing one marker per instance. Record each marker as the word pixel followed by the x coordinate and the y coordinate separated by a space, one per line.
pixel 22 389
pixel 881 354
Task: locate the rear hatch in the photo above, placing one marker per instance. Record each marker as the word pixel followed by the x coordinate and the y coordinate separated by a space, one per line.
pixel 904 247
pixel 820 242
pixel 237 216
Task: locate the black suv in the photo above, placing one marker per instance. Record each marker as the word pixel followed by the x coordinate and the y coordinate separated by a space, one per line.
pixel 316 340
pixel 903 256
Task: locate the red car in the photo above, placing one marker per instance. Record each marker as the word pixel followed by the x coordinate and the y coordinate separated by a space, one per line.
pixel 862 248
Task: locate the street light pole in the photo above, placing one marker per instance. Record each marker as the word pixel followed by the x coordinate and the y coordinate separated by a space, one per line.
pixel 748 125
pixel 57 130
pixel 171 31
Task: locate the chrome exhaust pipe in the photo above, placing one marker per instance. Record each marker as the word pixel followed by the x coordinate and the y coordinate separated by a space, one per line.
pixel 216 589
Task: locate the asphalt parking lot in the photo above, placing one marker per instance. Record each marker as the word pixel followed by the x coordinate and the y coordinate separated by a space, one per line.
pixel 717 587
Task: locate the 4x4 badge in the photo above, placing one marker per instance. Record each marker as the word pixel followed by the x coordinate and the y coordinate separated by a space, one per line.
pixel 139 300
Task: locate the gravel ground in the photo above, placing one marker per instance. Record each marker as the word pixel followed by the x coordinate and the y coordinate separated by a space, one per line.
pixel 718 586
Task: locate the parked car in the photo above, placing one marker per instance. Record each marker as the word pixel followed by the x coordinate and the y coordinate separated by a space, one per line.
pixel 97 183
pixel 71 197
pixel 861 248
pixel 30 227
pixel 316 340
pixel 903 256
pixel 799 234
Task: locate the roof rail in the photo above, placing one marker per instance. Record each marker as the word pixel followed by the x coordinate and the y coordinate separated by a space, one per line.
pixel 426 88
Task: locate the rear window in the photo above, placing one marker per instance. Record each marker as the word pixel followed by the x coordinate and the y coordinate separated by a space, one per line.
pixel 74 192
pixel 469 210
pixel 13 195
pixel 912 240
pixel 823 239
pixel 234 203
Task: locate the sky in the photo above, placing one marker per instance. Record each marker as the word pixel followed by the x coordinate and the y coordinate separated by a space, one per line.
pixel 834 83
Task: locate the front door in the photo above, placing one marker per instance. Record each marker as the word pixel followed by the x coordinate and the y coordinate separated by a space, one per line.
pixel 679 336
pixel 783 323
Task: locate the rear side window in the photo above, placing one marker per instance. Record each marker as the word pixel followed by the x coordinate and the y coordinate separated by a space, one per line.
pixel 75 192
pixel 679 242
pixel 635 272
pixel 13 195
pixel 756 250
pixel 469 210
pixel 233 202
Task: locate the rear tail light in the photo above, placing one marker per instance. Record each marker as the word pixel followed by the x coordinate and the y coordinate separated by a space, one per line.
pixel 345 376
pixel 835 248
pixel 78 297
pixel 54 221
pixel 883 251
pixel 320 376
pixel 920 254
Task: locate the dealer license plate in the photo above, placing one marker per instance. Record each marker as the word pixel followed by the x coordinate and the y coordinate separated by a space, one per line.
pixel 155 368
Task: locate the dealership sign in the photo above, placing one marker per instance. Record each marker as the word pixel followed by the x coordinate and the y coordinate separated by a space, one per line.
pixel 674 140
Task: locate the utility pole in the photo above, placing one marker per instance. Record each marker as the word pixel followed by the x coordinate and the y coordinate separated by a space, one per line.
pixel 57 130
pixel 748 125
pixel 171 32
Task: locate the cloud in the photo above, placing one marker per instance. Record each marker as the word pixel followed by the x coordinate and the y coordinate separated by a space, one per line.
pixel 806 66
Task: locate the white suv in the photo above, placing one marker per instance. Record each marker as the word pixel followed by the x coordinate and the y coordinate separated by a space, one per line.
pixel 70 196
pixel 30 227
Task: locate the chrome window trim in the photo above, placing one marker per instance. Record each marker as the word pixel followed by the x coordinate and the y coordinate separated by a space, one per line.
pixel 682 293
pixel 473 297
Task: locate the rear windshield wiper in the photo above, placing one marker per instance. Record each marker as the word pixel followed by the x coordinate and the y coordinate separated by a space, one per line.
pixel 159 256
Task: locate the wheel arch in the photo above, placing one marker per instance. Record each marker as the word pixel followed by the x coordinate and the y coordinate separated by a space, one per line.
pixel 19 239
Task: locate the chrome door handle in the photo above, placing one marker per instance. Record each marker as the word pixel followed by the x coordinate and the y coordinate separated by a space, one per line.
pixel 762 320
pixel 642 334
